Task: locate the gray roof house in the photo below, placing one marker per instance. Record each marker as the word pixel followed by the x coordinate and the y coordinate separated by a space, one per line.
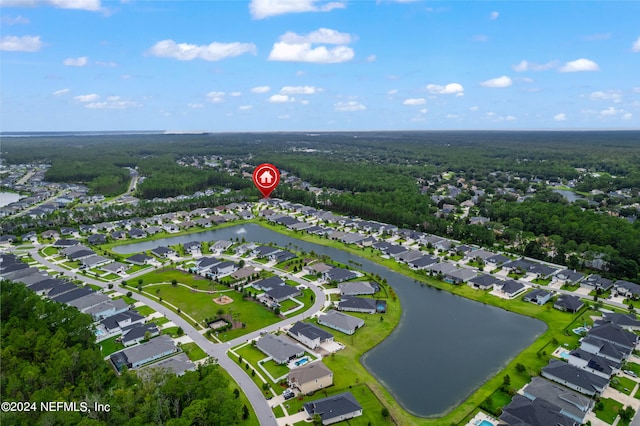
pixel 335 408
pixel 88 301
pixel 604 349
pixel 163 251
pixel 522 411
pixel 593 363
pixel 568 275
pixel 422 262
pixel 568 303
pixel 178 364
pixel 627 289
pixel 339 275
pixel 512 288
pixel 282 292
pixel 139 355
pixel 134 333
pixel 538 296
pixel 340 321
pixel 118 321
pixel 483 282
pixel 596 282
pixel 571 403
pixel 107 309
pixel 459 276
pixel 279 348
pixel 574 378
pixel 355 288
pixel 310 377
pixel 614 334
pixel 358 304
pixel 268 283
pixel 309 334
pixel 139 259
pixel 626 321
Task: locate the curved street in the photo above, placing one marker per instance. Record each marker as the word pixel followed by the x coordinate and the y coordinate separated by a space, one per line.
pixel 216 350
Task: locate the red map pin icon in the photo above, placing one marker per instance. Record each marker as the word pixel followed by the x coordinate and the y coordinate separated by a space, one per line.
pixel 266 177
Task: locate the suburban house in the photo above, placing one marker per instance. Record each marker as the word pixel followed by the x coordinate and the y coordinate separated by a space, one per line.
pixel 178 364
pixel 279 348
pixel 137 233
pixel 64 295
pixel 220 246
pixel 95 239
pixel 139 355
pixel 340 321
pixel 63 243
pixel 358 304
pixel 627 289
pixel 115 323
pixel 483 282
pixel 264 251
pixel 338 275
pixel 604 349
pixel 335 408
pixel 88 301
pixel 614 334
pixel 568 303
pixel 459 276
pixel 94 261
pixel 193 248
pixel 626 321
pixel 309 334
pixel 496 260
pixel 134 333
pixel 569 276
pixel 574 378
pixel 163 252
pixel 115 268
pixel 422 262
pixel 77 252
pixel 316 268
pixel 571 404
pixel 268 283
pixel 281 293
pixel 593 363
pixel 596 282
pixel 310 377
pixel 538 296
pixel 511 288
pixel 355 288
pixel 140 259
pixel 524 411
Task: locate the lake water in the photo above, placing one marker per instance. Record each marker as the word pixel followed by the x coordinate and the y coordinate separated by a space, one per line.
pixel 445 346
pixel 568 195
pixel 7 198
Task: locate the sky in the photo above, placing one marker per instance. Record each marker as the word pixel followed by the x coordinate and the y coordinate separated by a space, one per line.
pixel 304 65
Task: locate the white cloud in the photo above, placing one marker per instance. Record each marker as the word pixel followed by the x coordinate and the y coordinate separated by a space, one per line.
pixel 87 98
pixel 281 99
pixel 112 104
pixel 261 9
pixel 235 94
pixel 91 5
pixel 627 116
pixel 195 106
pixel 300 90
pixel 349 106
pixel 215 97
pixel 245 107
pixel 614 95
pixel 424 110
pixel 609 111
pixel 284 116
pixel 10 20
pixel 305 102
pixel 392 92
pixel 20 44
pixel 510 118
pixel 320 36
pixel 494 15
pixel 61 92
pixel 414 101
pixel 531 66
pixel 211 52
pixel 293 47
pixel 449 89
pixel 497 82
pixel 474 108
pixel 82 61
pixel 635 47
pixel 578 65
pixel 371 58
pixel 560 117
pixel 305 53
pixel 452 116
pixel 260 89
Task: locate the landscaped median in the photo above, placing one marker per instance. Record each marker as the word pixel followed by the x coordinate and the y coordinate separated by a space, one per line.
pixel 535 357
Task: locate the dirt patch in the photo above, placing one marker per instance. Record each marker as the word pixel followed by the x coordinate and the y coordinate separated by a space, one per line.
pixel 223 300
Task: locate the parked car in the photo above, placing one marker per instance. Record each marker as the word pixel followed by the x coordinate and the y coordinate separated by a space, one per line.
pixel 288 394
pixel 630 373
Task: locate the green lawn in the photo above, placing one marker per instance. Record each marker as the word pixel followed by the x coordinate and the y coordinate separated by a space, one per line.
pixel 145 310
pixel 128 300
pixel 623 384
pixel 50 251
pixel 167 275
pixel 110 346
pixel 170 331
pixel 276 370
pixel 541 281
pixel 633 367
pixel 193 351
pixel 610 410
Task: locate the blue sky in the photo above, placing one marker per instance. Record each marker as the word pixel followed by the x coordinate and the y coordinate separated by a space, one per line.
pixel 318 65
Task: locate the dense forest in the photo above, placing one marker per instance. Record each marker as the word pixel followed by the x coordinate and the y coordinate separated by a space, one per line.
pixel 49 354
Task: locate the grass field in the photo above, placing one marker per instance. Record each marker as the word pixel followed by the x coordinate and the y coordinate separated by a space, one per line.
pixel 193 351
pixel 623 384
pixel 167 275
pixel 609 411
pixel 110 346
pixel 145 310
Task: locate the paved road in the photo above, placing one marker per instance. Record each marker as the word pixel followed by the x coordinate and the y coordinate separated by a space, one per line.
pixel 217 350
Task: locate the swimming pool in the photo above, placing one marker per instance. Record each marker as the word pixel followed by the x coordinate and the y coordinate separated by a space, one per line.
pixel 564 354
pixel 580 330
pixel 486 423
pixel 99 332
pixel 302 361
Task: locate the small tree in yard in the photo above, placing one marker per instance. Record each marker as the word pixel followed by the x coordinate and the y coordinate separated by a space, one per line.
pixel 385 413
pixel 174 283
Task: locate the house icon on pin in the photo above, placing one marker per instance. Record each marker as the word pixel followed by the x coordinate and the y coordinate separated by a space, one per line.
pixel 266 177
